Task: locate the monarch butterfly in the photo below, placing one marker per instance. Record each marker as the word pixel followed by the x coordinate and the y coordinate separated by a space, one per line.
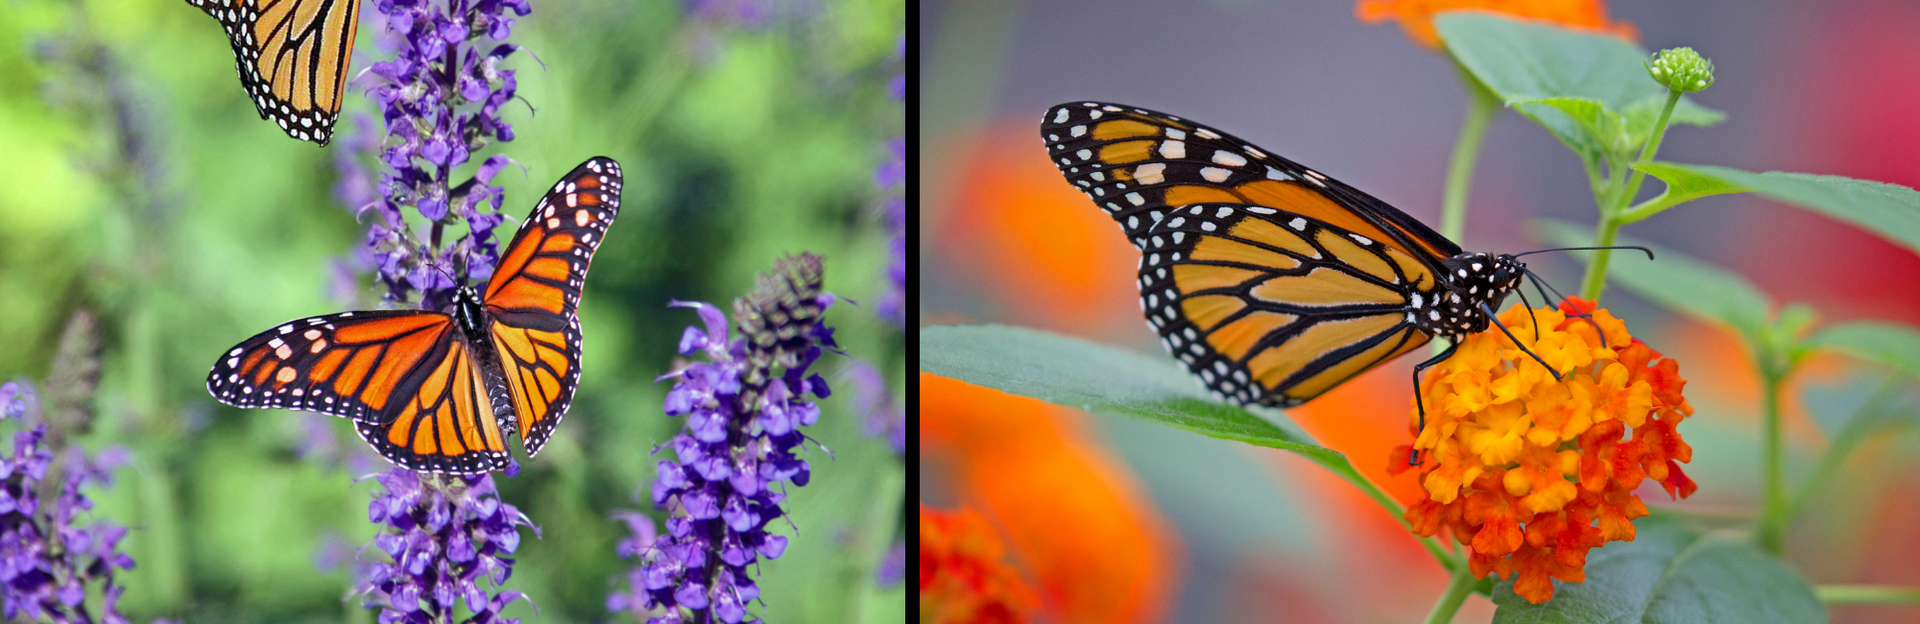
pixel 292 58
pixel 434 391
pixel 1272 282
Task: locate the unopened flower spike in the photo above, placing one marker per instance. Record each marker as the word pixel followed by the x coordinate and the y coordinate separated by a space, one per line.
pixel 1681 69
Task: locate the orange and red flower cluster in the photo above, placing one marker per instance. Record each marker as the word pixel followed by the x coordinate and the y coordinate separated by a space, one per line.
pixel 1533 471
pixel 963 579
pixel 1416 16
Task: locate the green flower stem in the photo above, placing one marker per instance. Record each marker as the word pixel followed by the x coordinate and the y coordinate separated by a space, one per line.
pixel 1461 584
pixel 1482 105
pixel 1614 213
pixel 1652 207
pixel 1866 594
pixel 1447 560
pixel 1774 515
pixel 1864 422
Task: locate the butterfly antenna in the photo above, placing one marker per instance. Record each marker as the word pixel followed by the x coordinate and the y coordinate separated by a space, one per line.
pixel 1516 342
pixel 1649 252
pixel 1538 285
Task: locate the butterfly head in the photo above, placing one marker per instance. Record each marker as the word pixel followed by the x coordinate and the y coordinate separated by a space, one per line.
pixel 469 311
pixel 1474 281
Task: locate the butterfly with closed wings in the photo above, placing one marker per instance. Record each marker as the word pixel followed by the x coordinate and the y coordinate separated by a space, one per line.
pixel 292 58
pixel 1271 282
pixel 434 391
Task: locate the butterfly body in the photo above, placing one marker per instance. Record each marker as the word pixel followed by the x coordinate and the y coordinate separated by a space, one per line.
pixel 440 391
pixel 1271 282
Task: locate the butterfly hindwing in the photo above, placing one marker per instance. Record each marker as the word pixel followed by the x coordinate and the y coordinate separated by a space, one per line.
pixel 534 295
pixel 1272 307
pixel 1139 165
pixel 292 57
pixel 358 365
pixel 448 425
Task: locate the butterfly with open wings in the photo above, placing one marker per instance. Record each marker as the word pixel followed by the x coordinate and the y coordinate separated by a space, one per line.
pixel 435 391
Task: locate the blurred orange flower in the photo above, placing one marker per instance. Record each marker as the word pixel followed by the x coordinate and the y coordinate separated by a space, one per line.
pixel 1416 16
pixel 1532 471
pixel 1043 253
pixel 1098 549
pixel 962 577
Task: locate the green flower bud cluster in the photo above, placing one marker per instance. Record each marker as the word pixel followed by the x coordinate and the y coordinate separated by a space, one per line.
pixel 1681 69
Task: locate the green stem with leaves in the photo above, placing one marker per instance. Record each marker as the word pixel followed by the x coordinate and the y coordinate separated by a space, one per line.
pixel 1614 207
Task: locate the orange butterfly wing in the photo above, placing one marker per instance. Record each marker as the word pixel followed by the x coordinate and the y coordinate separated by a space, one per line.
pixel 534 295
pixel 447 426
pixel 292 58
pixel 404 376
pixel 1139 165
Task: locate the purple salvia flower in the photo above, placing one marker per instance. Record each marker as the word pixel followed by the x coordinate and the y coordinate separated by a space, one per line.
pixel 744 405
pixel 882 416
pixel 47 557
pixel 890 177
pixel 445 537
pixel 440 97
pixel 893 567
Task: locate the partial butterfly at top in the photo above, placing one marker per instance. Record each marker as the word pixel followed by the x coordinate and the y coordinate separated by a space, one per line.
pixel 433 391
pixel 1272 282
pixel 292 58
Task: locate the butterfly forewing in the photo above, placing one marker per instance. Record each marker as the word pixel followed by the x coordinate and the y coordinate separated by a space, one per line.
pixel 1272 307
pixel 1139 165
pixel 447 425
pixel 292 57
pixel 534 295
pixel 359 365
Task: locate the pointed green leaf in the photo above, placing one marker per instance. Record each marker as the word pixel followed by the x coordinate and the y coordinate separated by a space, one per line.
pixel 1891 344
pixel 1103 380
pixel 1675 281
pixel 1889 211
pixel 1531 66
pixel 1683 186
pixel 1670 574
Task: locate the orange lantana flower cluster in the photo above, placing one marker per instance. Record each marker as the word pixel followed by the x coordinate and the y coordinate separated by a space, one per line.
pixel 1532 471
pixel 1416 16
pixel 963 578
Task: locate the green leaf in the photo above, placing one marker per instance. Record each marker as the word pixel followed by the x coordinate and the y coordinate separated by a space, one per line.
pixel 1676 281
pixel 1894 345
pixel 1682 186
pixel 1539 69
pixel 1116 382
pixel 1670 574
pixel 1890 211
pixel 1103 380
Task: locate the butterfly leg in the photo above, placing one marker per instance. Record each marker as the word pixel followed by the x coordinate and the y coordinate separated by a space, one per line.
pixel 1413 459
pixel 1542 286
pixel 1516 341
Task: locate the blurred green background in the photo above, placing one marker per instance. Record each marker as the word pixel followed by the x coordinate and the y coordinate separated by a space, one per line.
pixel 137 182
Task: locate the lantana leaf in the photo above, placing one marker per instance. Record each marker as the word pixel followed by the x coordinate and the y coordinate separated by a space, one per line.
pixel 1889 211
pixel 1891 344
pixel 1671 574
pixel 1104 380
pixel 1675 281
pixel 1529 64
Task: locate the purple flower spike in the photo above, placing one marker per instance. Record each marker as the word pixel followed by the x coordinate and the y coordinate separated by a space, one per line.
pixel 440 97
pixel 37 579
pixel 442 533
pixel 735 456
